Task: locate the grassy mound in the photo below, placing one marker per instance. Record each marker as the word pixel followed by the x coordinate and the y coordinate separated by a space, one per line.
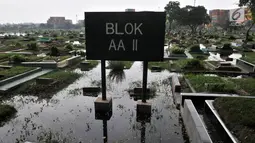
pixel 238 115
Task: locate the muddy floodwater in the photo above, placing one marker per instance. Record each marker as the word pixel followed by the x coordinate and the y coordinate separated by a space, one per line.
pixel 69 116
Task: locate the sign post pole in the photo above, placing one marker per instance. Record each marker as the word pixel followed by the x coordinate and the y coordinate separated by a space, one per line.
pixel 145 75
pixel 103 80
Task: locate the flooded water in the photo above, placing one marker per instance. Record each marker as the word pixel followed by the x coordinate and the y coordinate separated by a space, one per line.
pixel 69 116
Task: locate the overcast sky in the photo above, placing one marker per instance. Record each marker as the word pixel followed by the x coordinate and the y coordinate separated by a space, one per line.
pixel 38 11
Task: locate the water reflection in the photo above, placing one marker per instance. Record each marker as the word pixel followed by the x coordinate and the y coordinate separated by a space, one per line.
pixel 116 75
pixel 73 117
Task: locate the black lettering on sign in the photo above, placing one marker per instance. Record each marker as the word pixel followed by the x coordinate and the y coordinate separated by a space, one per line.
pixel 135 36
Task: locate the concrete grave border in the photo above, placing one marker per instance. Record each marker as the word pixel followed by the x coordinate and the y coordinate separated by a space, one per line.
pixel 194 126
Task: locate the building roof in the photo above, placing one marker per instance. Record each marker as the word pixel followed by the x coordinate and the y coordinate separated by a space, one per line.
pixel 44 39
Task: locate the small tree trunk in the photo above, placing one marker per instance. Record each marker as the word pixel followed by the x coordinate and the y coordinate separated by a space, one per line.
pixel 248 31
pixel 170 26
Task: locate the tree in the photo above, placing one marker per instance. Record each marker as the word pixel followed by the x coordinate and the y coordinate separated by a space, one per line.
pixel 250 4
pixel 54 51
pixel 172 10
pixel 193 17
pixel 32 46
pixel 69 47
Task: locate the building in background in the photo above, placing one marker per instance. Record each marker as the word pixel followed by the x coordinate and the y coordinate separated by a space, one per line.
pixel 219 17
pixel 59 22
pixel 129 10
pixel 224 17
pixel 68 21
pixel 56 21
pixel 81 22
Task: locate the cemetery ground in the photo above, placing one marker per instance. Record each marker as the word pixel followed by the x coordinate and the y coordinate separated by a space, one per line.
pixel 54 107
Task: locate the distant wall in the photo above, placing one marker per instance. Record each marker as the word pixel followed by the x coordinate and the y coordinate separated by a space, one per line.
pixel 49 65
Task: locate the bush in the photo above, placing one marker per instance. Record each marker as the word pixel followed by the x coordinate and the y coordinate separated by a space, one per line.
pixel 18 44
pixel 17 59
pixel 199 82
pixel 54 51
pixel 193 64
pixel 227 46
pixel 195 49
pixel 250 38
pixel 232 37
pixel 177 50
pixel 32 46
pixel 69 47
pixel 238 114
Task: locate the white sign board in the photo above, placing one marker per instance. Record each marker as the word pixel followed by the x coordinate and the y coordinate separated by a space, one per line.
pixel 236 15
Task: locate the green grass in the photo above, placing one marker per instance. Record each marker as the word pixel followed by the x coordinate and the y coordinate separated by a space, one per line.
pixel 4 56
pixel 217 84
pixel 93 64
pixel 33 58
pixel 238 115
pixel 10 48
pixel 188 64
pixel 247 84
pixel 14 71
pixel 199 56
pixel 6 111
pixel 249 57
pixel 119 65
pixel 61 78
pixel 57 59
pixel 17 58
pixel 163 65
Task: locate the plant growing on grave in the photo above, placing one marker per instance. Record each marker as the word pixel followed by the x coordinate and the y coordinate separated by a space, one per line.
pixel 54 51
pixel 69 47
pixel 177 50
pixel 17 59
pixel 18 44
pixel 232 37
pixel 192 64
pixel 195 49
pixel 238 114
pixel 32 46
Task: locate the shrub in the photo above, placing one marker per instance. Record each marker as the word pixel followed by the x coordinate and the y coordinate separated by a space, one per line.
pixel 227 46
pixel 232 37
pixel 177 50
pixel 17 59
pixel 238 114
pixel 18 44
pixel 195 49
pixel 54 51
pixel 32 46
pixel 69 47
pixel 250 38
pixel 193 64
